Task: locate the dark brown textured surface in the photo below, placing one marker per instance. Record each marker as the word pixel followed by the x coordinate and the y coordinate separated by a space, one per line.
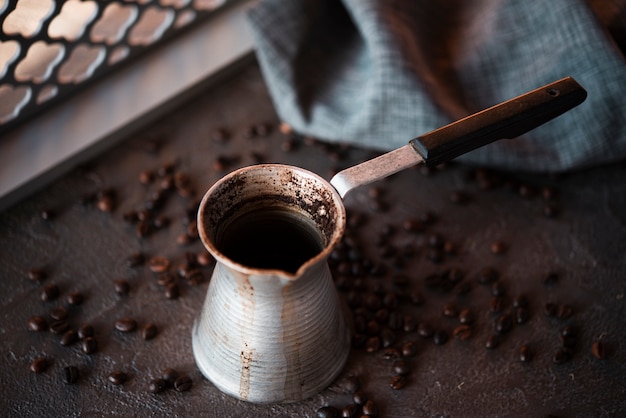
pixel 84 249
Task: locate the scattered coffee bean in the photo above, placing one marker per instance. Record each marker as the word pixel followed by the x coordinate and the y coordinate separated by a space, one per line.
pixel 370 409
pixel 170 375
pixel 146 177
pixel 50 292
pixel 564 311
pixel 89 345
pixel 392 353
pixel 59 326
pixel 136 259
pixel 39 365
pixel 70 374
pixel 149 331
pixel 550 309
pixel 68 338
pixel 496 304
pixel 525 354
pixel 75 299
pixel 372 344
pixel 159 264
pixel 327 412
pixel 498 247
pixel 352 384
pixel 462 332
pixel 520 301
pixel 37 275
pixel 172 291
pixel 466 317
pixel 409 349
pixel 497 288
pixel 440 337
pixel 126 325
pixel 121 286
pixel 349 411
pixel 183 383
pixel 387 337
pixel 521 315
pixel 449 310
pixel 157 385
pixel 599 350
pixel 503 324
pixel 58 313
pixel 85 331
pixel 424 330
pixel 487 275
pixel 359 397
pixel 400 367
pixel 492 342
pixel 37 324
pixel 397 382
pixel 118 377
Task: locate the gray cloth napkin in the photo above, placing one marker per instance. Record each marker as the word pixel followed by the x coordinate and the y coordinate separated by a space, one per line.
pixel 379 73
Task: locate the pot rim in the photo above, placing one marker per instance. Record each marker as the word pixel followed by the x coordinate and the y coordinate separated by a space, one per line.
pixel 336 235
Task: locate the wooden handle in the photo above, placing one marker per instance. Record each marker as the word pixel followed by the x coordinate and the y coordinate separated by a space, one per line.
pixel 506 120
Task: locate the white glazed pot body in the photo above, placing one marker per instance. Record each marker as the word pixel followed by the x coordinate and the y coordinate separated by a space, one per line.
pixel 269 336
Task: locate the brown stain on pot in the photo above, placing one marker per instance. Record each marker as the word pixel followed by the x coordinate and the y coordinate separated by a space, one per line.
pixel 246 292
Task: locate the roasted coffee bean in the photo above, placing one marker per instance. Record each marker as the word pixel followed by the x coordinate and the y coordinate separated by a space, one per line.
pixel 69 337
pixel 159 264
pixel 75 299
pixel 525 354
pixel 131 216
pixel 496 304
pixel 136 259
pixel 498 288
pixel 39 365
pixel 463 288
pixel 149 331
pixel 359 398
pixel 561 356
pixel 492 342
pixel 521 315
pixel 498 247
pixel 412 225
pixel 205 259
pixel 599 350
pixel 487 275
pixel 462 332
pixel 416 298
pixel 569 331
pixel 183 383
pixel 172 291
pixel 85 331
pixel 520 301
pixel 424 330
pixel 387 338
pixel 449 310
pixel 143 229
pixel 47 214
pixel 400 367
pixel 165 279
pixel 59 326
pixel 170 375
pixel 70 374
pixel 37 324
pixel 466 316
pixel 370 409
pixel 382 316
pixel 146 177
pixel 372 344
pixel 372 301
pixel 397 382
pixel 440 337
pixel 157 385
pixel 396 321
pixel 105 203
pixel 89 345
pixel 58 313
pixel 50 292
pixel 449 248
pixel 409 324
pixel 328 412
pixel 126 325
pixel 391 353
pixel 503 324
pixel 118 377
pixel 349 411
pixel 37 275
pixel 409 349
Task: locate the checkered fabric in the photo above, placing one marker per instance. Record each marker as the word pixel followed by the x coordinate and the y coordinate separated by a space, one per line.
pixel 378 73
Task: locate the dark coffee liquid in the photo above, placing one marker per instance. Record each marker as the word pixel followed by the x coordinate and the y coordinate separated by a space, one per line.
pixel 270 240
